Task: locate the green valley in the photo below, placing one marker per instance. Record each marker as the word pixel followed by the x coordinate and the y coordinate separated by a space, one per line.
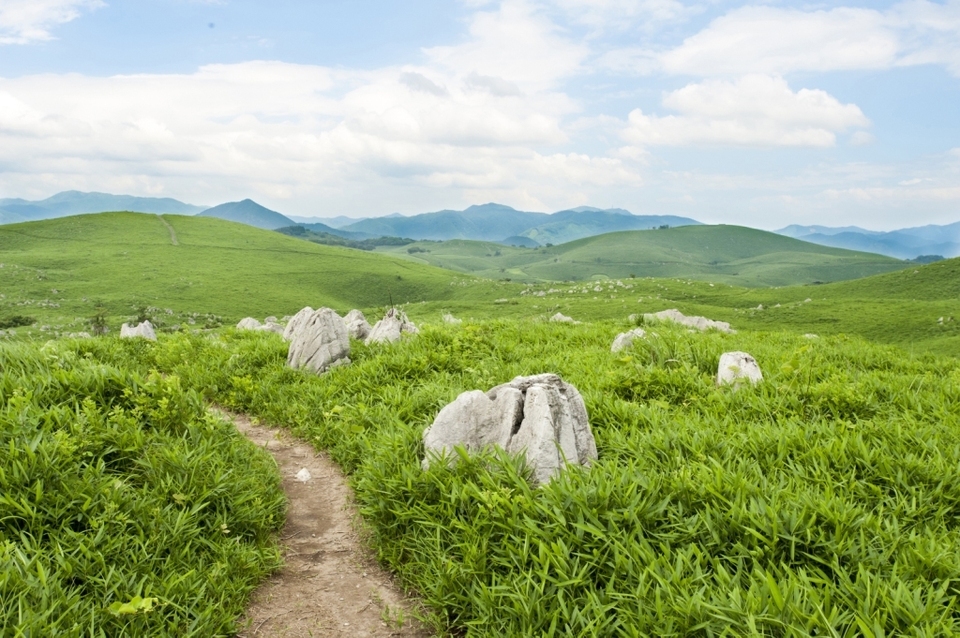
pixel 720 254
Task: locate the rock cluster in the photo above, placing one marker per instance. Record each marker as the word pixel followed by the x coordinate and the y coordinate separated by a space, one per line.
pixel 393 325
pixel 357 325
pixel 319 341
pixel 735 367
pixel 143 330
pixel 699 323
pixel 541 416
pixel 625 339
pixel 270 325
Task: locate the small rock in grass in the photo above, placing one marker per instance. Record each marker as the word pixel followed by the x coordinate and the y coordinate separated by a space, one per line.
pixel 700 323
pixel 304 475
pixel 541 416
pixel 393 325
pixel 735 367
pixel 562 318
pixel 448 318
pixel 625 339
pixel 248 323
pixel 143 330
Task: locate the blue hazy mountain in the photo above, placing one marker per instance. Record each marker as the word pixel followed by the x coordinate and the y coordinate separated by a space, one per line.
pixel 496 222
pixel 251 213
pixel 905 243
pixel 79 203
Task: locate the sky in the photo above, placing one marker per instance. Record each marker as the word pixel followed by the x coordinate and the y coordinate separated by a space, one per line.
pixel 754 113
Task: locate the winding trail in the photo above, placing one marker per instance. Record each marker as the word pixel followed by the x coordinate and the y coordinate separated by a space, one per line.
pixel 173 233
pixel 330 584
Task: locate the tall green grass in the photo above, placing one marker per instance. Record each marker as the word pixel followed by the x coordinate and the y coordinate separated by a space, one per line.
pixel 118 488
pixel 825 501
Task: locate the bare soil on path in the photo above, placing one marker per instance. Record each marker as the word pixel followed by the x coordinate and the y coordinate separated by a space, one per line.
pixel 330 584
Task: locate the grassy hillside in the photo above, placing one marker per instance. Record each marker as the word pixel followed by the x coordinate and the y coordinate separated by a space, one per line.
pixel 56 270
pixel 823 502
pixel 720 254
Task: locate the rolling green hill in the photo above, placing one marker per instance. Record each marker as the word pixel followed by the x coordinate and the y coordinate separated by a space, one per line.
pixel 56 270
pixel 727 254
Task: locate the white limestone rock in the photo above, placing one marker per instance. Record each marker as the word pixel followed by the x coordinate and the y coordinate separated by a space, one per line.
pixel 625 339
pixel 541 416
pixel 295 322
pixel 143 330
pixel 393 325
pixel 699 323
pixel 735 367
pixel 448 318
pixel 357 325
pixel 248 323
pixel 271 326
pixel 320 342
pixel 562 318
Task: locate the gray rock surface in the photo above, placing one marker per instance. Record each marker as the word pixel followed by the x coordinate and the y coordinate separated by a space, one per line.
pixel 562 318
pixel 699 323
pixel 320 342
pixel 248 323
pixel 625 339
pixel 296 321
pixel 271 326
pixel 735 367
pixel 393 325
pixel 448 318
pixel 357 325
pixel 541 416
pixel 143 330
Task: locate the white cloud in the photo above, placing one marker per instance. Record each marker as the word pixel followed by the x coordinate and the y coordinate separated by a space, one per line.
pixel 620 13
pixel 26 21
pixel 773 40
pixel 756 110
pixel 515 43
pixel 764 39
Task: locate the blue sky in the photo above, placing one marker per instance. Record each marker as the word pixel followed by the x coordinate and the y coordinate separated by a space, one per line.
pixel 761 114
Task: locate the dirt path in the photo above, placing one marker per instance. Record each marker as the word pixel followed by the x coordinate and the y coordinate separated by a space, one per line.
pixel 173 233
pixel 330 584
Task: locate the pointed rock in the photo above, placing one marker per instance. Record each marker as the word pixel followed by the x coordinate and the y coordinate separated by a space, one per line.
pixel 357 325
pixel 320 342
pixel 625 339
pixel 295 322
pixel 391 327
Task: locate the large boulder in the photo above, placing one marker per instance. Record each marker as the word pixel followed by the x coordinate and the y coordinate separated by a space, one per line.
pixel 698 323
pixel 142 330
pixel 357 325
pixel 296 321
pixel 625 339
pixel 541 416
pixel 248 323
pixel 735 367
pixel 393 325
pixel 320 342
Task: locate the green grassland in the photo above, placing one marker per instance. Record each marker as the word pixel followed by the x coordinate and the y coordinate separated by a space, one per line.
pixel 822 502
pixel 118 488
pixel 56 271
pixel 720 254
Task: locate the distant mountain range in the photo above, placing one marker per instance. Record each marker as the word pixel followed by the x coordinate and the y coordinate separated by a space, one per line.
pixel 496 222
pixel 906 243
pixel 77 203
pixel 487 222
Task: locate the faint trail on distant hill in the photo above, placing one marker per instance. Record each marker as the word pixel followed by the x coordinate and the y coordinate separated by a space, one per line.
pixel 330 585
pixel 173 233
